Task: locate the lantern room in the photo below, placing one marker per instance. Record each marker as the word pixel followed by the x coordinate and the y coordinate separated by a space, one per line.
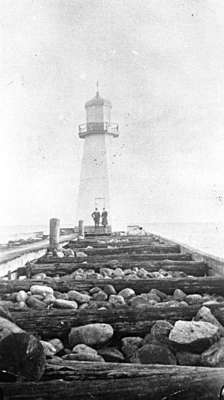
pixel 98 113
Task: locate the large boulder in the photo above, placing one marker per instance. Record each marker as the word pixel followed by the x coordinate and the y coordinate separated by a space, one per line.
pixel 34 302
pixel 205 314
pixel 111 354
pixel 179 295
pixel 41 289
pixel 82 352
pixel 214 356
pixel 60 303
pixel 127 293
pixel 140 299
pixel 49 348
pixel 130 345
pixel 91 334
pixel 154 353
pixel 58 345
pixel 100 296
pixel 193 336
pixel 79 297
pixel 116 300
pixel 160 330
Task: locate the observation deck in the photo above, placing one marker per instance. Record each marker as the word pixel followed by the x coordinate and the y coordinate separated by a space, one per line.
pixel 92 128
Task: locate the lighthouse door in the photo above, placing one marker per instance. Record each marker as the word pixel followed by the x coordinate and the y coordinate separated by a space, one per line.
pixel 100 203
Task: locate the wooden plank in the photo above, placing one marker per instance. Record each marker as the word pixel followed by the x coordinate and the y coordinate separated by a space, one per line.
pixel 126 321
pixel 119 257
pixel 122 382
pixel 195 268
pixel 132 249
pixel 210 284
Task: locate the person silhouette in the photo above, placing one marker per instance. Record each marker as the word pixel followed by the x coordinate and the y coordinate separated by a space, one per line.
pixel 104 217
pixel 96 217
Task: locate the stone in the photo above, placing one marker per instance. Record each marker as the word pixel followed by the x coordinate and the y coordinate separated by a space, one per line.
pixel 100 296
pixel 205 314
pixel 59 295
pixel 163 296
pixel 39 276
pixel 142 273
pixel 83 357
pixel 118 273
pixel 78 297
pixel 91 334
pixel 81 254
pixel 83 306
pixel 57 344
pixel 130 345
pixel 111 354
pixel 21 296
pixel 106 271
pixel 33 302
pixel 49 349
pixel 194 299
pixel 140 299
pixel 160 330
pixel 95 289
pixel 154 354
pixel 109 289
pixel 214 356
pixel 116 299
pixel 60 303
pixel 193 336
pixel 83 348
pixel 41 289
pixel 179 295
pixel 153 297
pixel 127 293
pixel 186 358
pixel 49 299
pixel 22 305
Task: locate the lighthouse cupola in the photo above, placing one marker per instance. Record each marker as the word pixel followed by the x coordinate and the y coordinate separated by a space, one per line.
pixel 98 113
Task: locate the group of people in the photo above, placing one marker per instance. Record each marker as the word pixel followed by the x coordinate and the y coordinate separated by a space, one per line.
pixel 96 217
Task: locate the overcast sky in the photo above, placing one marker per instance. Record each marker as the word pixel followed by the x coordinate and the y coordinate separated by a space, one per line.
pixel 160 62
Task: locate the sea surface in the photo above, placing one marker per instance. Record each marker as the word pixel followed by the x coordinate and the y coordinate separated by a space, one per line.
pixel 208 237
pixel 17 232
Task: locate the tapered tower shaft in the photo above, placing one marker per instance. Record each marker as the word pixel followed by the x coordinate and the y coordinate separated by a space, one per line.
pixel 94 178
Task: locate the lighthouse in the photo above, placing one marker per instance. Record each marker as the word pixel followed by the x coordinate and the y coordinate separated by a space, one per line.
pixel 94 179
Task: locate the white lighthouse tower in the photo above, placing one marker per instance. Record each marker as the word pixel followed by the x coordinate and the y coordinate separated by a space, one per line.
pixel 94 179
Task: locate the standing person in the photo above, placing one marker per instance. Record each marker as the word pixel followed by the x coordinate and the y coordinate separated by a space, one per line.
pixel 104 216
pixel 96 217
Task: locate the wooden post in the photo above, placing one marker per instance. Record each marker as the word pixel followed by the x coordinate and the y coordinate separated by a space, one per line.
pixel 81 229
pixel 54 233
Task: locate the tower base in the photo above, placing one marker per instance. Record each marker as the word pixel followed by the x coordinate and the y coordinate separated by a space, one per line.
pixel 90 230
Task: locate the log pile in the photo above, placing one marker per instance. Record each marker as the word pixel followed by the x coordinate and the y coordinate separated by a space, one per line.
pixel 107 312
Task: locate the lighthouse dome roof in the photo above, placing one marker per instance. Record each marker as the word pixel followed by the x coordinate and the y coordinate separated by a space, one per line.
pixel 98 101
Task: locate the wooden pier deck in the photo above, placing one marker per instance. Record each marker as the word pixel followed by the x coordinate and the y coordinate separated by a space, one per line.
pixel 147 265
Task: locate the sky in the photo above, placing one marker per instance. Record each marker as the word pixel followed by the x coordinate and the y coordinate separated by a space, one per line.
pixel 160 62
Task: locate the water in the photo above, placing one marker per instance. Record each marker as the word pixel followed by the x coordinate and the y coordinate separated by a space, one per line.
pixel 17 232
pixel 207 237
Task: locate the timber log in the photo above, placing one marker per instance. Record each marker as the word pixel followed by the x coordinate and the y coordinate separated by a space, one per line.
pixel 119 257
pixel 209 284
pixel 126 321
pixel 88 381
pixel 195 268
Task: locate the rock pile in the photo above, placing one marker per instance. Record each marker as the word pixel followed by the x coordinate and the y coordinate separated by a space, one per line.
pixel 195 342
pixel 43 296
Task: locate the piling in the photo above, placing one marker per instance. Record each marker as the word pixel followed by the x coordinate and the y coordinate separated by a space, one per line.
pixel 54 233
pixel 81 229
